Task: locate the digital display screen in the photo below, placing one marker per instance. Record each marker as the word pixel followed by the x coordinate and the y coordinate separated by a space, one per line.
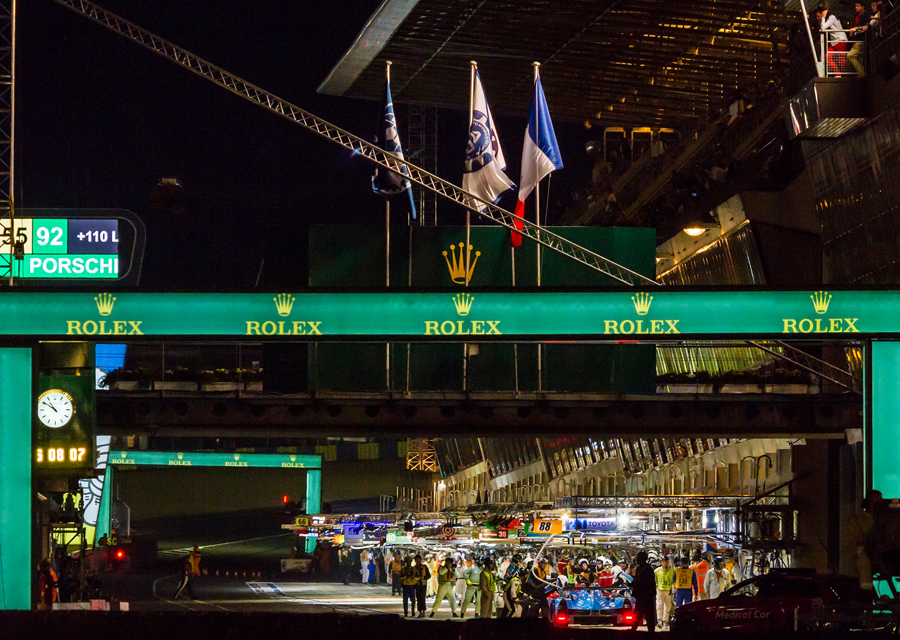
pixel 64 455
pixel 84 248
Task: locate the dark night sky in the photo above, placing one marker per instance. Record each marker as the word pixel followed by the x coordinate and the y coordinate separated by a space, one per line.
pixel 99 120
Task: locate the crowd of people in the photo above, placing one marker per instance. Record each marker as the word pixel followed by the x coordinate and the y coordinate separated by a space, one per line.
pixel 61 579
pixel 846 39
pixel 513 584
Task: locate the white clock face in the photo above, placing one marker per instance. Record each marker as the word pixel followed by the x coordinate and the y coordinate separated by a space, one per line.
pixel 55 408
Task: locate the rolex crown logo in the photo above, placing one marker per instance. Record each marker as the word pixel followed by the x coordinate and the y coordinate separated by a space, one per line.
pixel 458 267
pixel 293 458
pixel 124 454
pixel 463 303
pixel 284 302
pixel 642 302
pixel 821 300
pixel 237 456
pixel 105 302
pixel 180 456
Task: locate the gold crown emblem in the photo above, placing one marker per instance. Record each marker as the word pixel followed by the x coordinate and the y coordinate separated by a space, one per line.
pixel 458 267
pixel 293 458
pixel 105 302
pixel 237 456
pixel 463 303
pixel 284 302
pixel 821 300
pixel 180 456
pixel 642 302
pixel 124 454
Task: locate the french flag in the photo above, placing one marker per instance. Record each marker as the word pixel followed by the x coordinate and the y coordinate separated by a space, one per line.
pixel 540 155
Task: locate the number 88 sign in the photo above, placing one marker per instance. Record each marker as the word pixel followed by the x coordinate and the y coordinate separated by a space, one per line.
pixel 547 527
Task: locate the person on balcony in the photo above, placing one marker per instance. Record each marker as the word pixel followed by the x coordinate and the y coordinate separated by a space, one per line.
pixel 832 29
pixel 861 20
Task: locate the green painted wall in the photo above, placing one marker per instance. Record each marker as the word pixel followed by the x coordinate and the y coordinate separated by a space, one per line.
pixel 885 446
pixel 15 479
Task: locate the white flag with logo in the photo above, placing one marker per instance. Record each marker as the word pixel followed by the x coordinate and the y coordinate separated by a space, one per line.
pixel 485 164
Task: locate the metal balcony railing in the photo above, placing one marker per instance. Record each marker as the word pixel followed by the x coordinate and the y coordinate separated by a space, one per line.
pixel 841 59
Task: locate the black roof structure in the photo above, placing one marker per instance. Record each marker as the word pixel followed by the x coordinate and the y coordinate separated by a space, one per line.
pixel 636 63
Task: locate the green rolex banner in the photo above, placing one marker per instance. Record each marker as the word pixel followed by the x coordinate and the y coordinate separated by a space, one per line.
pixel 438 260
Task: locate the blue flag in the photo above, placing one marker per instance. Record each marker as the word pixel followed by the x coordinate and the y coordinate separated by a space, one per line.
pixel 387 137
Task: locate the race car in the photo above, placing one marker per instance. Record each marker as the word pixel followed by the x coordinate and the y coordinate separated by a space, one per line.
pixel 781 601
pixel 591 605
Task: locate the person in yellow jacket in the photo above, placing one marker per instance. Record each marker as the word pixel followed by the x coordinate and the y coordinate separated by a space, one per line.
pixel 409 578
pixel 488 585
pixel 424 576
pixel 542 569
pixel 194 560
pixel 395 571
pixel 665 579
pixel 446 577
pixel 685 582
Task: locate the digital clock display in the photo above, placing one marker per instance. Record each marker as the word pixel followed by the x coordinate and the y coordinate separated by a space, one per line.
pixel 63 455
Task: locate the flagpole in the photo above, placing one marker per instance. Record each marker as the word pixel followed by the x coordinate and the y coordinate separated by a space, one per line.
pixel 473 67
pixel 515 344
pixel 472 70
pixel 537 209
pixel 409 283
pixel 387 259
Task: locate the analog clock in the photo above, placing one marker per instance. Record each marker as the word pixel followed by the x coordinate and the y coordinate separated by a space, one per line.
pixel 55 408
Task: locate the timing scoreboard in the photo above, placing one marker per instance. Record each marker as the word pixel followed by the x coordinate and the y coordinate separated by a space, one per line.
pixel 68 248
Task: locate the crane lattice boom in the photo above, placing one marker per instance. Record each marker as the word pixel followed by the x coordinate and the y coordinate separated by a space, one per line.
pixel 354 143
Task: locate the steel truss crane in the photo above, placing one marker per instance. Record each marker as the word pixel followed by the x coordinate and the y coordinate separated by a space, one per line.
pixel 354 143
pixel 7 127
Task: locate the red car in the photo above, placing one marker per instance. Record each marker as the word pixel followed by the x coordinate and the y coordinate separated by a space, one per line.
pixel 780 601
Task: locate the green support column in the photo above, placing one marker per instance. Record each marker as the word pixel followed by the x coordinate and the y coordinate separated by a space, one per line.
pixel 105 498
pixel 313 500
pixel 883 433
pixel 15 478
pixel 313 491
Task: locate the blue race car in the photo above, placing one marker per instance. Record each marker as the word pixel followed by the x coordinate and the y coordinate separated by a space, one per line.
pixel 591 605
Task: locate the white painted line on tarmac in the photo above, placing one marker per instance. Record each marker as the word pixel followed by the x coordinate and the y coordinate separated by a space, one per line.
pixel 186 550
pixel 181 604
pixel 265 588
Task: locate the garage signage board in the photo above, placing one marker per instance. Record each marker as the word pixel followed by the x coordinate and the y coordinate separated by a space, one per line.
pixel 237 460
pixel 485 315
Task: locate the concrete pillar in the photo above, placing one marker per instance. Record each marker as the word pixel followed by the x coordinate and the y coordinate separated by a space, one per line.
pixel 817 498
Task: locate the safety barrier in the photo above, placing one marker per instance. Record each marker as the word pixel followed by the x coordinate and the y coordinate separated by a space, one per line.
pixel 842 59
